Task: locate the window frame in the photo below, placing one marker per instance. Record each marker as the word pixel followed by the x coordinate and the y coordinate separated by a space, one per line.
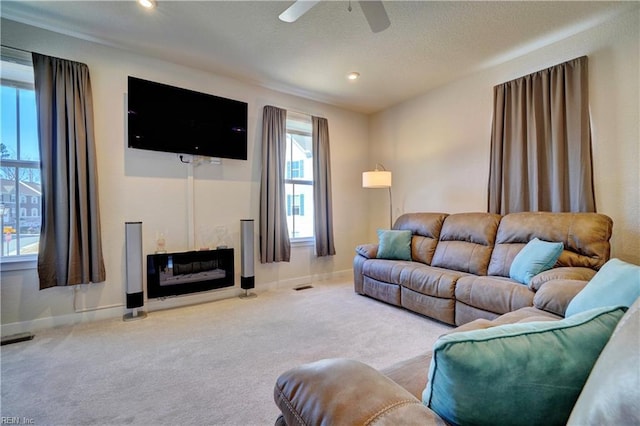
pixel 21 261
pixel 297 181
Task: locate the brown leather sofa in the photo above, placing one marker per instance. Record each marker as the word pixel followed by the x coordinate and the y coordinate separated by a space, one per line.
pixel 459 268
pixel 347 392
pixel 459 274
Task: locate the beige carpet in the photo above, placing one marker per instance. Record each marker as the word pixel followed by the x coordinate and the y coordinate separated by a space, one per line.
pixel 210 364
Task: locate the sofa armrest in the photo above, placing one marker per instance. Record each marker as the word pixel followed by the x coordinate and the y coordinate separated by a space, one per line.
pixel 370 251
pixel 564 273
pixel 346 392
pixel 554 296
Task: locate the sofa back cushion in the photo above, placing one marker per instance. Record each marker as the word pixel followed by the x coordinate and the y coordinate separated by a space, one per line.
pixel 425 229
pixel 616 283
pixel 585 237
pixel 466 242
pixel 519 374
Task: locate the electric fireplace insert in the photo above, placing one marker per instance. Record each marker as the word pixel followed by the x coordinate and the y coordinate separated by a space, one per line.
pixel 173 274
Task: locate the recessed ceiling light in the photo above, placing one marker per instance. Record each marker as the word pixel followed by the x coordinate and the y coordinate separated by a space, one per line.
pixel 147 4
pixel 353 75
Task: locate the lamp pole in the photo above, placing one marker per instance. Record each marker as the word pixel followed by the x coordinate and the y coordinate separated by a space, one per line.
pixel 390 211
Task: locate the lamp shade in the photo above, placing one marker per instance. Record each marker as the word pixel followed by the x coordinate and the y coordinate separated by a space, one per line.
pixel 376 179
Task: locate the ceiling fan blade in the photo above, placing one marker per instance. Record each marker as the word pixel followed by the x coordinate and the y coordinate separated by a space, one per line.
pixel 297 9
pixel 376 15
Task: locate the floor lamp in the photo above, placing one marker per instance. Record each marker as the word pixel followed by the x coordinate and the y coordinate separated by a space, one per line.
pixel 379 179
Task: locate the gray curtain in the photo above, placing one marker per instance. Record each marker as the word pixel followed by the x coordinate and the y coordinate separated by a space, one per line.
pixel 323 216
pixel 274 234
pixel 541 142
pixel 70 243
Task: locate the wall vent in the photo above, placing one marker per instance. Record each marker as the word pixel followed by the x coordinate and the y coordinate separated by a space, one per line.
pixel 16 338
pixel 304 287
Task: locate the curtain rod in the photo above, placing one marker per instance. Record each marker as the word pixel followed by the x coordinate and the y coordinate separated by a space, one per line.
pixel 15 48
pixel 302 113
pixel 297 112
pixel 15 55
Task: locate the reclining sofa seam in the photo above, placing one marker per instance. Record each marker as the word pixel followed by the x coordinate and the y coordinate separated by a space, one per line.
pixel 386 410
pixel 282 397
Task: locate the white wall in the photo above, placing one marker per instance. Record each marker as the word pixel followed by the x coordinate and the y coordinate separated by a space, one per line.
pixel 438 144
pixel 154 188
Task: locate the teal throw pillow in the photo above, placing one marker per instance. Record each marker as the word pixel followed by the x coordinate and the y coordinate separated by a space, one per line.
pixel 616 283
pixel 535 257
pixel 517 374
pixel 393 244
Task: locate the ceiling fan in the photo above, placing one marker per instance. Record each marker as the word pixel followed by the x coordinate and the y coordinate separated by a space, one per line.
pixel 373 10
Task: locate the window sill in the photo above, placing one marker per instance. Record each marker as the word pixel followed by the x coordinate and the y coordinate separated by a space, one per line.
pixel 302 242
pixel 19 263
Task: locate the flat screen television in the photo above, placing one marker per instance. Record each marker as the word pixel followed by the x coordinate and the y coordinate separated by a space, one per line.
pixel 172 119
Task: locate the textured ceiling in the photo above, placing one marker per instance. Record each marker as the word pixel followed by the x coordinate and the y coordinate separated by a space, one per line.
pixel 428 44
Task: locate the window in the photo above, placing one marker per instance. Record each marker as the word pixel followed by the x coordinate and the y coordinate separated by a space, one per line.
pixel 299 176
pixel 19 158
pixel 295 205
pixel 295 169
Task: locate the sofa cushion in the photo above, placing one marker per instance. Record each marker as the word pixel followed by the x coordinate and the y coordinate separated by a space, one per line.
pixel 394 244
pixel 616 283
pixel 466 241
pixel 577 273
pixel 431 281
pixel 529 314
pixel 541 368
pixel 612 392
pixel 535 257
pixel 585 237
pixel 388 271
pixel 554 296
pixel 493 294
pixel 425 228
pixel 414 275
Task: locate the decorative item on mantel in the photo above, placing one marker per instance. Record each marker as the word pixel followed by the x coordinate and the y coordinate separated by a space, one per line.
pixel 205 239
pixel 222 237
pixel 379 179
pixel 161 242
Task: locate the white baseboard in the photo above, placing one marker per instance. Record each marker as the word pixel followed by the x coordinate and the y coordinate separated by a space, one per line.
pixel 304 280
pixel 107 313
pixel 61 320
